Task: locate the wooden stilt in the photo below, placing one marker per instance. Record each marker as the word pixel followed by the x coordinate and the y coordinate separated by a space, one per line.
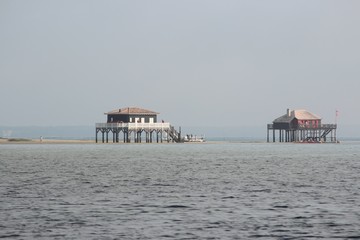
pixel 137 131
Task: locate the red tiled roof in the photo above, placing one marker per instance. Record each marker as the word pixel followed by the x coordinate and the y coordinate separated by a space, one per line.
pixel 298 114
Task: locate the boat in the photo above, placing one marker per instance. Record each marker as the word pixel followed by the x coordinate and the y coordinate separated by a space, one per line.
pixel 311 140
pixel 194 138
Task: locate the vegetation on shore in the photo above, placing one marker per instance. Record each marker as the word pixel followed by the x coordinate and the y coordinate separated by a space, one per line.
pixel 19 140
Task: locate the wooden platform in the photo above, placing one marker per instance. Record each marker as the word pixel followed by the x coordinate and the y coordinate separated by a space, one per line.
pixel 304 133
pixel 153 131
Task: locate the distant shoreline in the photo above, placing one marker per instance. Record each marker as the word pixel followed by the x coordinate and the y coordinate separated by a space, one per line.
pixel 4 141
pixel 43 141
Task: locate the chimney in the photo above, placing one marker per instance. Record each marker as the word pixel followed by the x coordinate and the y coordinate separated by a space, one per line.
pixel 288 111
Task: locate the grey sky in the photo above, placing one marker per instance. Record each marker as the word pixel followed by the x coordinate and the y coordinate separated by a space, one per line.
pixel 202 62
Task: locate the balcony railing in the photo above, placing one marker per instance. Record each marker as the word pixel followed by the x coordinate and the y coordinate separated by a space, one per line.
pixel 322 126
pixel 132 126
pixel 308 126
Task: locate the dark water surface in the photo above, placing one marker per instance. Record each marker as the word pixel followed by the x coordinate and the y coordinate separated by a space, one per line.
pixel 180 191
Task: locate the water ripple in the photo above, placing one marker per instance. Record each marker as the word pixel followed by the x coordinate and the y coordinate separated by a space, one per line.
pixel 175 191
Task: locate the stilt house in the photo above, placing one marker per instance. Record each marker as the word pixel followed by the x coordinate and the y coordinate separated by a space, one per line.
pixel 136 121
pixel 301 126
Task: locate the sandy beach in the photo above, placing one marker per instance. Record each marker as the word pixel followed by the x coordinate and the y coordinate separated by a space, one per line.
pixel 44 141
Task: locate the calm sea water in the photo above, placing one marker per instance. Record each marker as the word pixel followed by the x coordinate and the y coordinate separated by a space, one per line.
pixel 180 191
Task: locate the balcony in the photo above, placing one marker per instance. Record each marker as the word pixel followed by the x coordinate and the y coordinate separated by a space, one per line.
pixel 134 126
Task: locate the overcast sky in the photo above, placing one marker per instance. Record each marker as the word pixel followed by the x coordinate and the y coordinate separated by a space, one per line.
pixel 197 62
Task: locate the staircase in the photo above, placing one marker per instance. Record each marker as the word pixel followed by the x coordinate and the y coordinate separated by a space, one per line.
pixel 321 134
pixel 326 132
pixel 175 135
